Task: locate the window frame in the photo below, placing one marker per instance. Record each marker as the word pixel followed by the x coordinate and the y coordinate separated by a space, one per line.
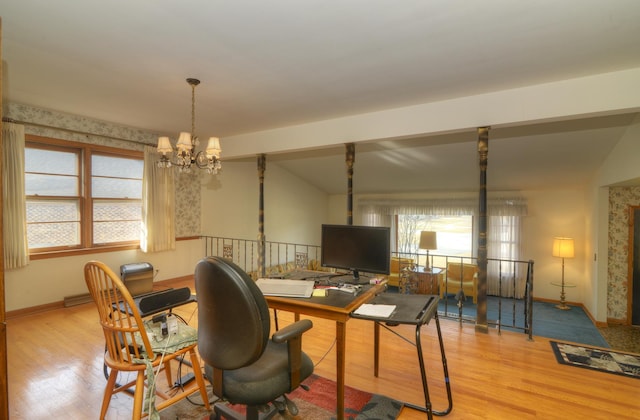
pixel 85 152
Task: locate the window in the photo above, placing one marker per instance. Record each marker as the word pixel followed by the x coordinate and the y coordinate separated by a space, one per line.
pixel 81 196
pixel 455 234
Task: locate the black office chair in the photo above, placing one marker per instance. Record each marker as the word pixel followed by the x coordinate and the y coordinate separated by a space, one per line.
pixel 243 364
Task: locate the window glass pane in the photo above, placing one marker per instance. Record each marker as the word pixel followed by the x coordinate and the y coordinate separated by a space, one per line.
pixel 50 161
pixel 120 167
pixel 51 185
pixel 454 234
pixel 110 232
pixel 116 221
pixel 49 211
pixel 53 223
pixel 116 188
pixel 117 210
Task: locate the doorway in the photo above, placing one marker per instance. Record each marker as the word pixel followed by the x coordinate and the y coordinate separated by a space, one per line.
pixel 633 292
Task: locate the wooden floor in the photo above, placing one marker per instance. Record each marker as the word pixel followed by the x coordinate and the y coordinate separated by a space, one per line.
pixel 55 370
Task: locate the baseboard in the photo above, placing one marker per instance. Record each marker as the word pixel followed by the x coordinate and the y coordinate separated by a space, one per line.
pixel 84 298
pixel 77 300
pixel 34 309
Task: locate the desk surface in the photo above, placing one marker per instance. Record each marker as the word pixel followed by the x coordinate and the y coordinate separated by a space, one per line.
pixel 336 305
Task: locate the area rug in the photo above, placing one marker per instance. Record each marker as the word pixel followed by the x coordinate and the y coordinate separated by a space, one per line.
pixel 618 363
pixel 319 403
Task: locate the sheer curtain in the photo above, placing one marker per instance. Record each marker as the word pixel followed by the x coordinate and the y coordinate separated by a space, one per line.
pixel 503 234
pixel 16 246
pixel 158 205
pixel 503 243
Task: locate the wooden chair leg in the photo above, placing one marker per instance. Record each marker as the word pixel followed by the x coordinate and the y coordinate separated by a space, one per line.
pixel 138 395
pixel 195 363
pixel 167 372
pixel 108 393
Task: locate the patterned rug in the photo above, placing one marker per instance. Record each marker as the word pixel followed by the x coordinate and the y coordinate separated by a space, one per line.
pixel 618 363
pixel 316 404
pixel 319 403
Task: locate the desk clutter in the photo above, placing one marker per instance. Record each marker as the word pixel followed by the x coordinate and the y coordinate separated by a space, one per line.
pixel 301 288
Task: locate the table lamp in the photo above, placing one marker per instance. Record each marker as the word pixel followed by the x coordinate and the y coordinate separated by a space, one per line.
pixel 563 248
pixel 428 240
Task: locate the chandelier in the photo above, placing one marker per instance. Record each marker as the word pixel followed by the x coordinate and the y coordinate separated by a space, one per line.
pixel 186 155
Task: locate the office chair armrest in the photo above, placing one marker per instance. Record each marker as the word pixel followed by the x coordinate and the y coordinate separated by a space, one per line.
pixel 291 331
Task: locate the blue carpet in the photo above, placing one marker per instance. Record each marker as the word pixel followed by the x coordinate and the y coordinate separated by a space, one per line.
pixel 548 321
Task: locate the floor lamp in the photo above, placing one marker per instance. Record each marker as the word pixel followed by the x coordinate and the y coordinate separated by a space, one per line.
pixel 428 240
pixel 563 248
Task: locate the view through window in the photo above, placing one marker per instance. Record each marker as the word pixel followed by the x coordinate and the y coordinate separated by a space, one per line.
pixel 454 234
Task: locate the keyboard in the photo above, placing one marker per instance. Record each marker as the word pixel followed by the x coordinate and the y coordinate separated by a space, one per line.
pixel 285 288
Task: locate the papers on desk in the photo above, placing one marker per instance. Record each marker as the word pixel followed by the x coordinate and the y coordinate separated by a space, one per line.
pixel 285 288
pixel 375 310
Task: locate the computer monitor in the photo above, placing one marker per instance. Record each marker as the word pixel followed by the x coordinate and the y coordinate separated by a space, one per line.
pixel 356 248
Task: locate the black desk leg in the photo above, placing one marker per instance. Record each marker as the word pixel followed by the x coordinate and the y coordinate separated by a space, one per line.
pixel 427 408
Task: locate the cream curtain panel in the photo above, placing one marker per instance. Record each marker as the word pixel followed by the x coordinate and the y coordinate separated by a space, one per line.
pixel 158 205
pixel 16 246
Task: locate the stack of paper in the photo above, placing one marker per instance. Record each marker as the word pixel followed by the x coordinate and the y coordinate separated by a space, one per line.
pixel 374 310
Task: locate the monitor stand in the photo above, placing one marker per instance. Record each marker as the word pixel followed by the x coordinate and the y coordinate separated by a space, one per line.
pixel 353 278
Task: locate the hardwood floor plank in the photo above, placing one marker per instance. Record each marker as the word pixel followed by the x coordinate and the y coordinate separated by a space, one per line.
pixel 55 370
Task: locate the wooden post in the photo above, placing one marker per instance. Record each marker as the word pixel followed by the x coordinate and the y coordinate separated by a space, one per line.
pixel 262 165
pixel 483 151
pixel 350 159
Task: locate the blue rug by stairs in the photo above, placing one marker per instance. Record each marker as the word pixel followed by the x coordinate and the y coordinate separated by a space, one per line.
pixel 548 321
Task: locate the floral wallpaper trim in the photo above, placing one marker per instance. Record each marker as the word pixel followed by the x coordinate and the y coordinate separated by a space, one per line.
pixel 187 188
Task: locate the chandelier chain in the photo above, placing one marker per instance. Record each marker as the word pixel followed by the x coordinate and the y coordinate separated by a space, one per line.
pixel 193 111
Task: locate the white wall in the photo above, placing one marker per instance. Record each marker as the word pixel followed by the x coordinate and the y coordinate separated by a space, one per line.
pixel 51 280
pixel 557 213
pixel 293 209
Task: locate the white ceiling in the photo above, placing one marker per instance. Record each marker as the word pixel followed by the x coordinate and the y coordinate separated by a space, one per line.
pixel 270 64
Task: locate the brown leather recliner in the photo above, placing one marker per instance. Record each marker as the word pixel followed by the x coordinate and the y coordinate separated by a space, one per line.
pixel 245 365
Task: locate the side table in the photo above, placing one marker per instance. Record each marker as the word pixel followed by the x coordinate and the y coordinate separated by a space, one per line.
pixel 427 280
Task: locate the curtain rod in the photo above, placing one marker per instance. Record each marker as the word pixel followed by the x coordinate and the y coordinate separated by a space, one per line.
pixel 68 130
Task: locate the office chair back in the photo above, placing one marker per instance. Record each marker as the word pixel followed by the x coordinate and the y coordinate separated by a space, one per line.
pixel 233 330
pixel 246 364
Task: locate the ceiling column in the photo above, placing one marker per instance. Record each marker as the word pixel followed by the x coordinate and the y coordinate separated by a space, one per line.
pixel 483 151
pixel 350 159
pixel 262 165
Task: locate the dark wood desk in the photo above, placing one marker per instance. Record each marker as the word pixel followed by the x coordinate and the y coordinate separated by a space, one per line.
pixel 336 306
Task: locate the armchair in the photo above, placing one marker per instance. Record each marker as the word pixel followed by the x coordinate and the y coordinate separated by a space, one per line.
pixel 460 277
pixel 245 365
pixel 397 269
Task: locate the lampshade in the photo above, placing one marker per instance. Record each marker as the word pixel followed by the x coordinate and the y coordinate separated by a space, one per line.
pixel 563 247
pixel 184 141
pixel 164 145
pixel 213 147
pixel 428 240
